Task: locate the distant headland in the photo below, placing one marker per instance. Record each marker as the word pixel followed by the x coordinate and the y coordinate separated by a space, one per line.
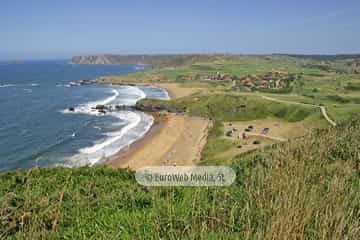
pixel 155 61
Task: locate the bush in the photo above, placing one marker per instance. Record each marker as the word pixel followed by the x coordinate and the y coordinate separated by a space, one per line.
pixel 352 86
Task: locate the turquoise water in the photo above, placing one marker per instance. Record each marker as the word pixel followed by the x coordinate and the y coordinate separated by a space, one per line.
pixel 37 130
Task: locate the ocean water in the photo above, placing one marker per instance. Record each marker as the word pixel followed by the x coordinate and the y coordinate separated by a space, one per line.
pixel 36 129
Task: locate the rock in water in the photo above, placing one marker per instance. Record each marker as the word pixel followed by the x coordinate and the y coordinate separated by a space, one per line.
pixel 100 107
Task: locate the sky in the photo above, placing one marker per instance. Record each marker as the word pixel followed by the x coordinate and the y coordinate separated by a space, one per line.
pixel 47 29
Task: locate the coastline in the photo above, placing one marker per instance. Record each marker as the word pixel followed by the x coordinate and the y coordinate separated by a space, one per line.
pixel 121 157
pixel 173 139
pixel 174 89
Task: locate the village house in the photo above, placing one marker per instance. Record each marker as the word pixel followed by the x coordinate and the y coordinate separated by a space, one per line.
pixel 270 80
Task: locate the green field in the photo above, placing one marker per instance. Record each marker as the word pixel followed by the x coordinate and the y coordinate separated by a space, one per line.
pixel 321 82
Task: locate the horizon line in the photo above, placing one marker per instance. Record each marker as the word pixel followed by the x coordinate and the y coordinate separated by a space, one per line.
pixel 194 53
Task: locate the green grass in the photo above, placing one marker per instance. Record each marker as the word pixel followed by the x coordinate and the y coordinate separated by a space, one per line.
pixel 307 188
pixel 353 86
pixel 342 113
pixel 224 107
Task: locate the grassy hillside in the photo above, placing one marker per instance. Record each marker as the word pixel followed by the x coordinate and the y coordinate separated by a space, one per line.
pixel 225 107
pixel 241 65
pixel 306 188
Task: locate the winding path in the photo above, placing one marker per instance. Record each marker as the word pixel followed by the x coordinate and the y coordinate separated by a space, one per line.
pixel 322 108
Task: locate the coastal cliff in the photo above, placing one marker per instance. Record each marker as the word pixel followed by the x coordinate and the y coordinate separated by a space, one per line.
pixel 95 59
pixel 157 61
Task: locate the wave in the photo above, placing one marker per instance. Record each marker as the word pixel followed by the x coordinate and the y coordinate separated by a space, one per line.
pixel 88 108
pixel 7 85
pixel 62 85
pixel 48 149
pixel 130 90
pixel 97 127
pixel 166 93
pixel 167 96
pixel 132 120
pixel 138 124
pixel 140 67
pixel 24 85
pixel 133 94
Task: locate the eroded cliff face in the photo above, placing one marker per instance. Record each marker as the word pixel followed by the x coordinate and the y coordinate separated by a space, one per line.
pixel 95 59
pixel 119 59
pixel 158 61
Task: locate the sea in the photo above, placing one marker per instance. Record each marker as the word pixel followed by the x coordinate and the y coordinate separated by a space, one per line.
pixel 38 129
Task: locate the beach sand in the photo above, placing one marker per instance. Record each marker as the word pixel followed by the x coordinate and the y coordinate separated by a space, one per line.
pixel 174 140
pixel 177 90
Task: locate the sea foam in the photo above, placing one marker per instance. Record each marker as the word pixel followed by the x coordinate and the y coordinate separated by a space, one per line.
pixel 7 85
pixel 136 126
pixel 89 108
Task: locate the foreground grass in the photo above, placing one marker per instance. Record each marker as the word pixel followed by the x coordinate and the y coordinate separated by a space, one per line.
pixel 306 188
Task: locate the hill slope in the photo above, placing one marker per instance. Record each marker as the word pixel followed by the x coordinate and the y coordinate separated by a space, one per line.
pixel 157 61
pixel 306 188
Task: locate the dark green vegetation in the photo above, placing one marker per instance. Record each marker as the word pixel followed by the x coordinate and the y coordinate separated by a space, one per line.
pixel 324 57
pixel 353 86
pixel 227 107
pixel 306 188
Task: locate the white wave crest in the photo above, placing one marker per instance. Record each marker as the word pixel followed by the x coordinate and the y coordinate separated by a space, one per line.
pixel 7 85
pixel 88 108
pixel 132 120
pixel 134 94
pixel 135 91
pixel 138 124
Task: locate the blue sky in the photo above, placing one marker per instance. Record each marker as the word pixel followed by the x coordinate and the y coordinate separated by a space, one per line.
pixel 45 29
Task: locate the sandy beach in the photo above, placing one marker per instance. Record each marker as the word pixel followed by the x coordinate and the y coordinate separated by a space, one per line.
pixel 177 91
pixel 174 139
